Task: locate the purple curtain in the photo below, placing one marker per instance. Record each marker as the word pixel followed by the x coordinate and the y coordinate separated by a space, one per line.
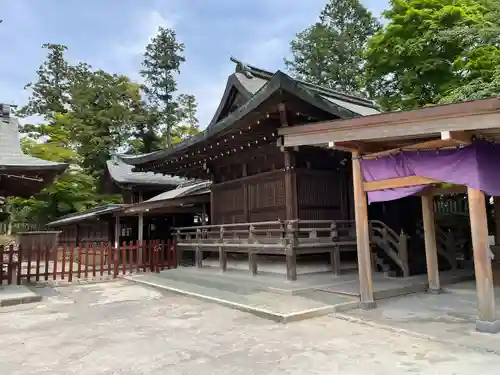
pixel 474 166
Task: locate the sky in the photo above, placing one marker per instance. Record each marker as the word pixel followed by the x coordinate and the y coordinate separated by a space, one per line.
pixel 112 34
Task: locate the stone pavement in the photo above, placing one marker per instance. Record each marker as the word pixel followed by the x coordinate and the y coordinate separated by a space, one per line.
pixel 448 317
pixel 125 328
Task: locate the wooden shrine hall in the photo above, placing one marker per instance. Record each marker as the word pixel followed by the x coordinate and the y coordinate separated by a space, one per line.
pixel 436 150
pixel 98 224
pixel 268 201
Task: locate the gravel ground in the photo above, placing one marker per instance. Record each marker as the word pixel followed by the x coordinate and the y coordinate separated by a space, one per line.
pixel 123 328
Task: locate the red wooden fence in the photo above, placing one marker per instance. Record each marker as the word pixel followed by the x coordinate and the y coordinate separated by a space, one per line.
pixel 89 260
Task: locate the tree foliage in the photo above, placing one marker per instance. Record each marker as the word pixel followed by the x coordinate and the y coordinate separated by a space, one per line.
pixel 425 51
pixel 161 63
pixel 329 53
pixel 90 114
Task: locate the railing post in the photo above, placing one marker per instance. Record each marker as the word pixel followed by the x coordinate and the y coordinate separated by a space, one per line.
pixel 403 253
pixel 290 251
pixel 198 253
pixel 222 252
pixel 252 255
pixel 335 252
pixel 178 249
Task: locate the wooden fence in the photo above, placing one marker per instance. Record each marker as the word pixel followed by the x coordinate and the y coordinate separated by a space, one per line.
pixel 70 263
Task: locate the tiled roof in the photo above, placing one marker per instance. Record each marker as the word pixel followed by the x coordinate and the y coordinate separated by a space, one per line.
pixel 122 173
pixel 84 215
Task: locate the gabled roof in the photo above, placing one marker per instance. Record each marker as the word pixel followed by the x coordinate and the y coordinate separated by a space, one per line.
pixel 257 86
pixel 123 174
pixel 84 215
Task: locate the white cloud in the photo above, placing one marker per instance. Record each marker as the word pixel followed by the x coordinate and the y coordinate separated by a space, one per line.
pixel 145 28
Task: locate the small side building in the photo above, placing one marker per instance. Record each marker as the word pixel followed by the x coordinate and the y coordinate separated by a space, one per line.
pixel 98 224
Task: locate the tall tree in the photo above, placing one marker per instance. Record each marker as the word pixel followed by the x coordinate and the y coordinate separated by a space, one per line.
pixel 49 93
pixel 329 53
pixel 422 52
pixel 161 64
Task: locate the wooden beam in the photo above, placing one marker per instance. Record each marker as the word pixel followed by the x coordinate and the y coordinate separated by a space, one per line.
pixel 431 121
pixel 398 182
pixel 362 236
pixel 431 255
pixel 437 190
pixel 482 263
pixel 362 147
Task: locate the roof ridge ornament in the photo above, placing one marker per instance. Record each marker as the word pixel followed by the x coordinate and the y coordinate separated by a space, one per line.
pixel 242 67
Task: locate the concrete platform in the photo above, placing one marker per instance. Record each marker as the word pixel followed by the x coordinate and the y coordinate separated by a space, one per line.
pixel 238 293
pixel 272 296
pixel 17 294
pixel 447 317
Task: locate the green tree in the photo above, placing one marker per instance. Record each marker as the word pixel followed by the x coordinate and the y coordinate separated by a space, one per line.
pixel 49 93
pixel 480 68
pixel 329 53
pixel 421 53
pixel 104 112
pixel 188 123
pixel 161 63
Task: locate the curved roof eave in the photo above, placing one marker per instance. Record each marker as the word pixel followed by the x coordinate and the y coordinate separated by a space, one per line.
pixel 279 81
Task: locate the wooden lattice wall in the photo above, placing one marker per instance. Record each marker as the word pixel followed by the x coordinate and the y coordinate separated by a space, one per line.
pixel 256 189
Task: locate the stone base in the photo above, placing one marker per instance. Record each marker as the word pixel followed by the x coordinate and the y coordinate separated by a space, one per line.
pixel 434 291
pixel 487 326
pixel 368 305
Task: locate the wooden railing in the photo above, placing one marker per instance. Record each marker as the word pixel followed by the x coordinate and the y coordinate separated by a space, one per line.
pixel 289 238
pixel 393 244
pixel 445 243
pixel 90 261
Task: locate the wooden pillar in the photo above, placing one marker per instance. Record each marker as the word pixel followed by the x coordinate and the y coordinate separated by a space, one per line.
pixel 431 255
pixel 290 186
pixel 246 210
pixel 140 231
pixel 482 263
pixel 362 235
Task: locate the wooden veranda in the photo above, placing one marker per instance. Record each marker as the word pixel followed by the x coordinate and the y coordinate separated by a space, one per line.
pixel 432 128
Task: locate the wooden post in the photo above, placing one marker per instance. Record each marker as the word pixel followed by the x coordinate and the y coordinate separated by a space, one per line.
pixel 291 252
pixel 487 321
pixel 431 255
pixel 222 251
pixel 252 256
pixel 116 257
pixel 290 186
pixel 246 202
pixel 362 235
pixel 335 252
pixel 140 233
pixel 198 253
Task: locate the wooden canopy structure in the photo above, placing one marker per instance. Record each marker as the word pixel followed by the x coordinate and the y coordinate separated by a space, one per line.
pixel 253 180
pixel 438 127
